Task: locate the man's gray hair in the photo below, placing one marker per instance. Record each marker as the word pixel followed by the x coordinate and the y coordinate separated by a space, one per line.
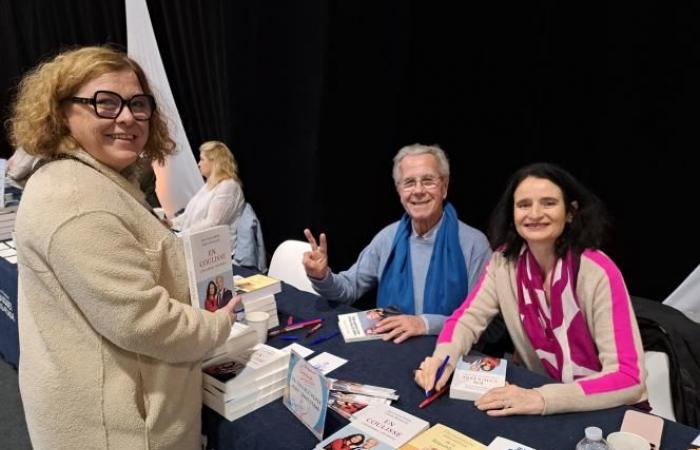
pixel 419 149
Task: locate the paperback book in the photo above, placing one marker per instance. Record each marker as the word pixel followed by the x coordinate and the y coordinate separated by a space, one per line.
pixel 352 387
pixel 256 287
pixel 382 425
pixel 348 404
pixel 241 338
pixel 209 267
pixel 360 326
pixel 441 437
pixel 246 369
pixel 474 375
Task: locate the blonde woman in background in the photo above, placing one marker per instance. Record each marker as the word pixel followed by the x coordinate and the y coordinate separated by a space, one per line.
pixel 220 201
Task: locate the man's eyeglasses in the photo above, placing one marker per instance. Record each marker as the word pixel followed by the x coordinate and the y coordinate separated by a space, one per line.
pixel 428 182
pixel 109 105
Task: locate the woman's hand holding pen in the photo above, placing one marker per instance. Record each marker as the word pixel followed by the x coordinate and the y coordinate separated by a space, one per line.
pixel 425 374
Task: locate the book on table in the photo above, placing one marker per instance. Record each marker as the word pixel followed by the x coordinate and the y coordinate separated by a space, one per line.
pixel 353 387
pixel 256 286
pixel 209 267
pixel 346 404
pixel 245 368
pixel 251 379
pixel 360 326
pixel 475 375
pixel 241 338
pixel 382 425
pixel 442 437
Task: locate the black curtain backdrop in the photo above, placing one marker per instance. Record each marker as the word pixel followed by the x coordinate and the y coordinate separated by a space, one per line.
pixel 315 97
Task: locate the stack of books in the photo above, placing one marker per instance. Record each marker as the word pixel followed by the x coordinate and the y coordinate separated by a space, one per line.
pixel 7 222
pixel 347 397
pixel 246 381
pixel 8 252
pixel 258 294
pixel 9 201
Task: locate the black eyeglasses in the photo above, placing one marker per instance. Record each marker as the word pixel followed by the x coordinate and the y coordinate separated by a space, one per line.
pixel 109 105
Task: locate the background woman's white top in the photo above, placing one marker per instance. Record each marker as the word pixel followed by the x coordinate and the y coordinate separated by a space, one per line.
pixel 221 205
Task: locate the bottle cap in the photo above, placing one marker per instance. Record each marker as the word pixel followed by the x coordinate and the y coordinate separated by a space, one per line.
pixel 594 433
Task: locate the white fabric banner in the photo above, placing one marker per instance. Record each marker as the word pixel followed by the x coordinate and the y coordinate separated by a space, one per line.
pixel 686 297
pixel 178 179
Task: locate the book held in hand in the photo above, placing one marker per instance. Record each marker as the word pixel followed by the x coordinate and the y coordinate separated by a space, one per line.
pixel 475 375
pixel 209 267
pixel 441 437
pixel 360 326
pixel 383 425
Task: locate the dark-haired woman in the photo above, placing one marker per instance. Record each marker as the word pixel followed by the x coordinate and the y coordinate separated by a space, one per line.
pixel 564 302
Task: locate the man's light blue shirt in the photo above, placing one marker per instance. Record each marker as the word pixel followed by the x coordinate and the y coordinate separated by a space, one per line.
pixel 366 273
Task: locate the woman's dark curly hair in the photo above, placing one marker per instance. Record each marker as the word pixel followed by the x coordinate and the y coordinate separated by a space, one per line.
pixel 589 218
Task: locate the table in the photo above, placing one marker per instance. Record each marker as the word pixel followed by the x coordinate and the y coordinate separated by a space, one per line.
pixel 391 365
pixel 9 337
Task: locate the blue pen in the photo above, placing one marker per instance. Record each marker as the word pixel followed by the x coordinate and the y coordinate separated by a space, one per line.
pixel 440 370
pixel 324 338
pixel 289 338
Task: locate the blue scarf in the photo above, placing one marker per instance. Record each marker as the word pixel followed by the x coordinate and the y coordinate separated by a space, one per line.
pixel 446 284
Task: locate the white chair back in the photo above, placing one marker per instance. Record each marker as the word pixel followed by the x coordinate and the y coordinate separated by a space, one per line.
pixel 286 264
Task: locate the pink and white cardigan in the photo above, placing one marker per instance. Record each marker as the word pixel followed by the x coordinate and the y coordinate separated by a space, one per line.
pixel 607 312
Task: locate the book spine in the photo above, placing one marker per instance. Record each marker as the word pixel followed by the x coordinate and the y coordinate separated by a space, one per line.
pixel 191 274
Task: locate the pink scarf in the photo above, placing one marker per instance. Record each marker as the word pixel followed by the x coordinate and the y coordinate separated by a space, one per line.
pixel 557 331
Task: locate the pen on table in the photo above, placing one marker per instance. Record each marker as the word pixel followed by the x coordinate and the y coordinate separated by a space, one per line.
pixel 324 338
pixel 289 338
pixel 314 329
pixel 432 398
pixel 295 326
pixel 439 373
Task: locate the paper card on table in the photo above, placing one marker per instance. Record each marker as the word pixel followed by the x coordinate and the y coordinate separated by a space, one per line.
pixel 326 362
pixel 303 351
pixel 501 443
pixel 697 440
pixel 306 394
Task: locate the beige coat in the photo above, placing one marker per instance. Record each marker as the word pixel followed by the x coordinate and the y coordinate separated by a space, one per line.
pixel 110 346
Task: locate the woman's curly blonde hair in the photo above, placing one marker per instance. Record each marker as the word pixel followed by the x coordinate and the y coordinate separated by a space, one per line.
pixel 37 122
pixel 225 166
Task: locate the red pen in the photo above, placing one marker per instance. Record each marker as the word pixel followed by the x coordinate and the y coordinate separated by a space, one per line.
pixel 314 329
pixel 432 398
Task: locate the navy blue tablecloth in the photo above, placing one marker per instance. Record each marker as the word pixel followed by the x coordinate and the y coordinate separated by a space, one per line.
pixel 391 365
pixel 9 339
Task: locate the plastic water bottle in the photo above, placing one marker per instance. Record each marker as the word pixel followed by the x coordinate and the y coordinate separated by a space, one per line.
pixel 593 440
